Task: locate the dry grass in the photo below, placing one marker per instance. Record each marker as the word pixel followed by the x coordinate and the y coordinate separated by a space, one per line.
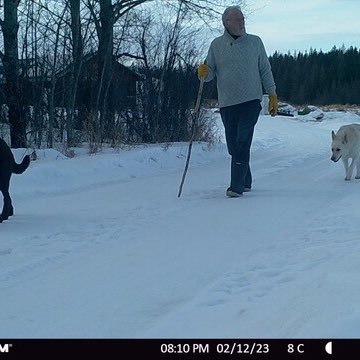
pixel 355 109
pixel 340 107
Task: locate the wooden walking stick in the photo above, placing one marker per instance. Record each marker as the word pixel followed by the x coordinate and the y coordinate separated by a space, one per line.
pixel 195 118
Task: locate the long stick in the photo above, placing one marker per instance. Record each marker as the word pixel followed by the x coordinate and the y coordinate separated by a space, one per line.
pixel 195 119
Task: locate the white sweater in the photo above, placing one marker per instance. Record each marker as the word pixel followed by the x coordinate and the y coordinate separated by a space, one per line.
pixel 241 67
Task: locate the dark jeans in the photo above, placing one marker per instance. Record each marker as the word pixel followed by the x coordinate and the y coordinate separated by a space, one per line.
pixel 239 122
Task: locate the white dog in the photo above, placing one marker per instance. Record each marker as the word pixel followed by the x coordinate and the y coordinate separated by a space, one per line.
pixel 345 145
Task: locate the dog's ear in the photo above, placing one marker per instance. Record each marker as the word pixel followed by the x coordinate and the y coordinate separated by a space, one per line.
pixel 345 139
pixel 333 134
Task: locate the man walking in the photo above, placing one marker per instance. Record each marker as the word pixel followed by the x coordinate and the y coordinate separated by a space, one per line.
pixel 240 64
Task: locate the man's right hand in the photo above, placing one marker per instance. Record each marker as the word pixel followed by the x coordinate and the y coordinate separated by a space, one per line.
pixel 203 71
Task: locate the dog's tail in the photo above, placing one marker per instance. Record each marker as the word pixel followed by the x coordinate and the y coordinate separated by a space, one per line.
pixel 20 168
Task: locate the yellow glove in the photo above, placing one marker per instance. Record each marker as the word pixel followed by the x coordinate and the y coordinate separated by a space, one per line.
pixel 273 105
pixel 203 71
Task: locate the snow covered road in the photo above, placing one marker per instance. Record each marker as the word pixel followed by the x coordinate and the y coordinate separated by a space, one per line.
pixel 101 246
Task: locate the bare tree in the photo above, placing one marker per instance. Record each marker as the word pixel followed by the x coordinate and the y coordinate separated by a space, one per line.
pixel 168 60
pixel 30 69
pixel 105 14
pixel 58 33
pixel 10 59
pixel 77 53
pixel 53 65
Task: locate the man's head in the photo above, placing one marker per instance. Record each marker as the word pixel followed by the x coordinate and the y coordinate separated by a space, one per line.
pixel 233 20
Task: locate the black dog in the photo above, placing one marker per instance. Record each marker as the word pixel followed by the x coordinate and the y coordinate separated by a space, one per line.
pixel 8 166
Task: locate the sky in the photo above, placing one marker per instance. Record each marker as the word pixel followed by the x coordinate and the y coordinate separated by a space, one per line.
pixel 101 246
pixel 289 25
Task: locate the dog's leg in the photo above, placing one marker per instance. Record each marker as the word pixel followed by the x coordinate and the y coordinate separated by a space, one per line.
pixel 4 207
pixel 352 167
pixel 1 218
pixel 346 166
pixel 357 168
pixel 350 170
pixel 8 209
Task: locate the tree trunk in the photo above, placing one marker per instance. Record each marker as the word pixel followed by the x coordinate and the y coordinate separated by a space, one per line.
pixel 76 70
pixel 105 54
pixel 11 70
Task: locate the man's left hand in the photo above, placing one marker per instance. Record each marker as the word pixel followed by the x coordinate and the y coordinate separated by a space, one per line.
pixel 273 105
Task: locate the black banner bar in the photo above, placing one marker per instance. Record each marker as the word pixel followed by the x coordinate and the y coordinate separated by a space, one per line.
pixel 181 348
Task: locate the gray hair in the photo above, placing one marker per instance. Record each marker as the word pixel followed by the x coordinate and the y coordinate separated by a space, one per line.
pixel 229 9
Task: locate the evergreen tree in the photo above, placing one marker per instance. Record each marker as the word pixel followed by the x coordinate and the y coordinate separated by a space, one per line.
pixel 318 78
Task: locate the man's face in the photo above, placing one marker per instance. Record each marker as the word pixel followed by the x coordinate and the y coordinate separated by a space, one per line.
pixel 234 23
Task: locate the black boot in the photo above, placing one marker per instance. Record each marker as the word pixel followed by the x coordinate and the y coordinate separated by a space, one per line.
pixel 238 173
pixel 248 180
